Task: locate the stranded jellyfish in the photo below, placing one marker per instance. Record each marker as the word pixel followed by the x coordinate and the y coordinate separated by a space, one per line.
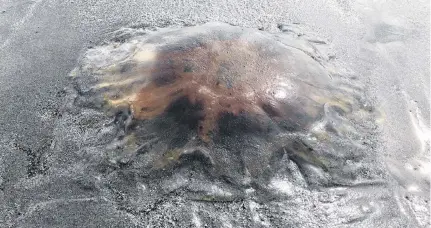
pixel 235 106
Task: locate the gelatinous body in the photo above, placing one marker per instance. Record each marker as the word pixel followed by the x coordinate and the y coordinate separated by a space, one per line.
pixel 229 101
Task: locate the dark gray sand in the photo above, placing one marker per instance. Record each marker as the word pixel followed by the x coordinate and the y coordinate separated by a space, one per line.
pixel 69 164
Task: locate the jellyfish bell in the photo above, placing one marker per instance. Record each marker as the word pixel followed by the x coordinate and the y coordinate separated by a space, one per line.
pixel 228 101
pixel 224 71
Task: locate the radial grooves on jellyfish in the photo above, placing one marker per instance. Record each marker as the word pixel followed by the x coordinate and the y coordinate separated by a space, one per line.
pixel 222 72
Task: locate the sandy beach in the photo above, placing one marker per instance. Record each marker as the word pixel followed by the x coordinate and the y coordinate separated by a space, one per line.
pixel 386 45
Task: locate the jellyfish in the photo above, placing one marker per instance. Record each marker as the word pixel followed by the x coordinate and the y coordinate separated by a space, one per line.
pixel 233 105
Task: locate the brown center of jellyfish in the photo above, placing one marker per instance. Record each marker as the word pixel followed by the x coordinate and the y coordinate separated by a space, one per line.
pixel 221 76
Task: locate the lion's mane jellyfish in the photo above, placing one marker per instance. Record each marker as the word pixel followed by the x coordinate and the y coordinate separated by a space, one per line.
pixel 223 104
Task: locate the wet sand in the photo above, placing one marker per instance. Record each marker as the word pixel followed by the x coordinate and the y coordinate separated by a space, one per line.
pixel 387 44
